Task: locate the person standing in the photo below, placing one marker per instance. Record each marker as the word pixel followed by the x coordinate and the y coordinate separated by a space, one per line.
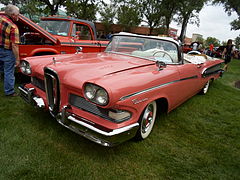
pixel 227 54
pixel 9 53
pixel 195 46
pixel 211 49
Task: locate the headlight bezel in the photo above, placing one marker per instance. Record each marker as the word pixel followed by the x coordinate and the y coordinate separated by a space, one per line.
pixel 96 94
pixel 25 67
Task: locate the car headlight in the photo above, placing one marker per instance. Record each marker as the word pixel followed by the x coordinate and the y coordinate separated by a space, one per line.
pixel 25 67
pixel 96 94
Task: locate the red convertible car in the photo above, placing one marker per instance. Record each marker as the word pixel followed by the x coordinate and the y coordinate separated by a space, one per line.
pixel 112 96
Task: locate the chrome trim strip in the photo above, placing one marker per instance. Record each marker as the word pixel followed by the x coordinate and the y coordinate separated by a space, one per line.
pixel 23 90
pixel 86 44
pixel 215 69
pixel 156 87
pixel 112 133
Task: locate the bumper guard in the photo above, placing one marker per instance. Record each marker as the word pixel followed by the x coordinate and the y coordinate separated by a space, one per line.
pixel 29 97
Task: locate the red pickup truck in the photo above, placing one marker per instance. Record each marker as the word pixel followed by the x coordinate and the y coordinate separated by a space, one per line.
pixel 57 35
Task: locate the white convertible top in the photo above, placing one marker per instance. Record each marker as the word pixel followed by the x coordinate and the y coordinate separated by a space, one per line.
pixel 154 37
pixel 197 58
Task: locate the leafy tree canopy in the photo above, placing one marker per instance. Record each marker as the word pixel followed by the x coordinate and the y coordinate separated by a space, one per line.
pixel 151 13
pixel 231 6
pixel 168 10
pixel 212 40
pixel 237 42
pixel 188 13
pixel 53 5
pixel 82 9
pixel 128 13
pixel 107 13
pixel 128 17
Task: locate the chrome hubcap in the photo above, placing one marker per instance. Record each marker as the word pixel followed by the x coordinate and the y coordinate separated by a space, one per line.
pixel 205 89
pixel 147 118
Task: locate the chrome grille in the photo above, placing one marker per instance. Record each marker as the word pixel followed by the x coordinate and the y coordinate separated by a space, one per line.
pixel 38 83
pixel 52 90
pixel 85 105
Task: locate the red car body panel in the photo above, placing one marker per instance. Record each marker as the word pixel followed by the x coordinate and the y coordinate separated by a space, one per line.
pixel 131 83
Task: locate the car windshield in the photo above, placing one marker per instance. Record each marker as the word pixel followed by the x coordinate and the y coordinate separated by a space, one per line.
pixel 154 49
pixel 60 28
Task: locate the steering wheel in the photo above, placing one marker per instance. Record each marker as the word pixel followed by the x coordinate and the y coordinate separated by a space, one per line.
pixel 164 53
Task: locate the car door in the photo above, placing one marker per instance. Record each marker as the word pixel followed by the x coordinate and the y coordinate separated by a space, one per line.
pixel 82 37
pixel 189 79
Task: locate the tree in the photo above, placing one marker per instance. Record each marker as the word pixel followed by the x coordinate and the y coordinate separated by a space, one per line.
pixel 14 2
pixel 128 13
pixel 212 40
pixel 201 41
pixel 231 6
pixel 151 12
pixel 168 10
pixel 34 9
pixel 30 8
pixel 188 13
pixel 53 5
pixel 235 24
pixel 237 42
pixel 82 9
pixel 108 13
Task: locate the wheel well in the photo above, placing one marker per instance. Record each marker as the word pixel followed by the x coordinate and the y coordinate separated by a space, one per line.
pixel 44 53
pixel 162 105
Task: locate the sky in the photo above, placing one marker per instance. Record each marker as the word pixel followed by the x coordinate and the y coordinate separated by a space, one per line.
pixel 214 22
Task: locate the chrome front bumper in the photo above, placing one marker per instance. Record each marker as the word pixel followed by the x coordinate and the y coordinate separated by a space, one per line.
pixel 29 96
pixel 89 130
pixel 82 126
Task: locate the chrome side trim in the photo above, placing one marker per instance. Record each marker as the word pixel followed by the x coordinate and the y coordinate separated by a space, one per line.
pixel 216 69
pixel 112 133
pixel 156 87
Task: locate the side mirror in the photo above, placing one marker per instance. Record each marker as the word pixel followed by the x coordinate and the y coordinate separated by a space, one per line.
pixel 161 65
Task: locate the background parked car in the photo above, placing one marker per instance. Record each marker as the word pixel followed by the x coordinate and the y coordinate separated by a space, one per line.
pixel 186 48
pixel 57 35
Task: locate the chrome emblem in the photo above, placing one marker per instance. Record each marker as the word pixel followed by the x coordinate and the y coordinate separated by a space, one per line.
pixel 136 101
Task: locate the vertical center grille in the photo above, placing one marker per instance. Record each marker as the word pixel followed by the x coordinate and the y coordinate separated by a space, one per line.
pixel 52 90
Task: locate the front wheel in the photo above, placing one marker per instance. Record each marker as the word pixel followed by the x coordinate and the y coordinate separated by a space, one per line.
pixel 146 121
pixel 204 90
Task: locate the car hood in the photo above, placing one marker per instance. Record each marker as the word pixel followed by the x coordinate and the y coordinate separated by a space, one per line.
pixel 90 66
pixel 24 20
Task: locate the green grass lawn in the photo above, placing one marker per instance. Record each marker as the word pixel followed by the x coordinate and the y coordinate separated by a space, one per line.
pixel 198 140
